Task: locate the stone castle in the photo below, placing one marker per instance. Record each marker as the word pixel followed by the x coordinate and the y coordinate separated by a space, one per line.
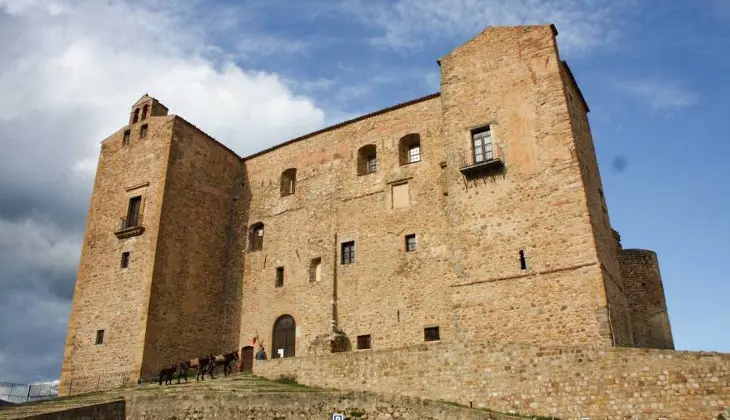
pixel 471 215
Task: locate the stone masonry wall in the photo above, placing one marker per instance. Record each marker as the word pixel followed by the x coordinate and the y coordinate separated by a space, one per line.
pixel 567 382
pixel 187 307
pixel 643 283
pixel 585 153
pixel 114 410
pixel 387 293
pixel 509 79
pixel 304 405
pixel 107 296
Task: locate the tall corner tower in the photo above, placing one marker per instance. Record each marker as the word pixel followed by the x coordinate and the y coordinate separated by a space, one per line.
pixel 106 329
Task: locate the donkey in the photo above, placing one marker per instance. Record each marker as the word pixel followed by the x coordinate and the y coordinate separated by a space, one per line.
pixel 203 364
pixel 182 370
pixel 166 374
pixel 226 360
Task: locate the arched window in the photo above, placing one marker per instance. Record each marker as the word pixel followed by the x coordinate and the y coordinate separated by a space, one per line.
pixel 257 237
pixel 145 111
pixel 288 181
pixel 135 117
pixel 367 160
pixel 284 337
pixel 409 149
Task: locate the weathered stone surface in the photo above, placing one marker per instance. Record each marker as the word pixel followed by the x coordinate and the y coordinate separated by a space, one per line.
pixel 568 382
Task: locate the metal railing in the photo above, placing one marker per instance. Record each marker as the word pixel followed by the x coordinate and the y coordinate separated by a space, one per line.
pixel 23 393
pixel 132 222
pixel 468 158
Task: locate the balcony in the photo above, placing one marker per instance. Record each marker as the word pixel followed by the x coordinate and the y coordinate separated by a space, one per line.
pixel 489 163
pixel 129 227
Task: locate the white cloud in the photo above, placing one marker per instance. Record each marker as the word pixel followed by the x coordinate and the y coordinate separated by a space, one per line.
pixel 661 95
pixel 412 24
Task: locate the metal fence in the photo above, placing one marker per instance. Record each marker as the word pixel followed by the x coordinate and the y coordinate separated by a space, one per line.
pixel 22 393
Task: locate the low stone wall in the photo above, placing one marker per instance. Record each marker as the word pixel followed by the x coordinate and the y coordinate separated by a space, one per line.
pixel 304 405
pixel 114 410
pixel 566 382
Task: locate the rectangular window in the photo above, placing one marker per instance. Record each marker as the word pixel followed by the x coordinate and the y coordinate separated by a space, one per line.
pixel 279 276
pixel 483 147
pixel 315 270
pixel 431 334
pixel 125 140
pixel 99 336
pixel 401 196
pixel 135 203
pixel 372 164
pixel 348 252
pixel 125 260
pixel 414 153
pixel 411 242
pixel 363 342
pixel 143 131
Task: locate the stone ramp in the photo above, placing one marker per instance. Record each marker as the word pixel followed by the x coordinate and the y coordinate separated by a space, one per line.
pixel 240 396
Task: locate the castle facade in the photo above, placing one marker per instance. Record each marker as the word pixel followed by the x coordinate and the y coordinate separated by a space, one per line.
pixel 472 214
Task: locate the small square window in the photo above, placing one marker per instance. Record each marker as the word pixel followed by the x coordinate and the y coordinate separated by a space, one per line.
pixel 431 334
pixel 363 342
pixel 143 131
pixel 279 276
pixel 125 139
pixel 99 336
pixel 348 252
pixel 125 260
pixel 411 242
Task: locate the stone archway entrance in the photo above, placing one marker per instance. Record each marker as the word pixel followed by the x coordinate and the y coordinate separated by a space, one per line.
pixel 247 359
pixel 284 336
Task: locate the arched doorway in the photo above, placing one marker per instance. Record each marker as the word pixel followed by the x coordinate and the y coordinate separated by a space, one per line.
pixel 284 335
pixel 247 359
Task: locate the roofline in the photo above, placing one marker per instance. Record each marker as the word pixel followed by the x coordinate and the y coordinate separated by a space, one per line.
pixel 206 135
pixel 344 123
pixel 572 78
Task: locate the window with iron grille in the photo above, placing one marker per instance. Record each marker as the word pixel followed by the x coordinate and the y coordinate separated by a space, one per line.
pixel 348 252
pixel 279 276
pixel 414 153
pixel 431 334
pixel 483 147
pixel 363 342
pixel 125 260
pixel 125 140
pixel 411 242
pixel 99 336
pixel 372 164
pixel 143 131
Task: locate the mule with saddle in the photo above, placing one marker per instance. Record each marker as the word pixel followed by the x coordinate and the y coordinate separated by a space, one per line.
pixel 203 365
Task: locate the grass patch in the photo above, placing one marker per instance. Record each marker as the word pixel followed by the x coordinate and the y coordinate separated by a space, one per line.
pixel 455 404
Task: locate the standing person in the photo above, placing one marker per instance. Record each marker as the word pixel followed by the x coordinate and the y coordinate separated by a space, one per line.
pixel 261 354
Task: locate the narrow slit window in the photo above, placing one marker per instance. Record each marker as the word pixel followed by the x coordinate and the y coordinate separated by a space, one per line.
pixel 315 270
pixel 279 276
pixel 125 139
pixel 99 336
pixel 257 237
pixel 125 260
pixel 523 262
pixel 143 131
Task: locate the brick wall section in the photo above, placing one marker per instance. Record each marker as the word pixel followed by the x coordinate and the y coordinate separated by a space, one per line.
pixel 643 283
pixel 567 382
pixel 188 306
pixel 107 296
pixel 510 78
pixel 387 292
pixel 584 151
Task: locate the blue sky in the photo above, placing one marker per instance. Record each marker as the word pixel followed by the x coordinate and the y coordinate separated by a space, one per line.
pixel 256 73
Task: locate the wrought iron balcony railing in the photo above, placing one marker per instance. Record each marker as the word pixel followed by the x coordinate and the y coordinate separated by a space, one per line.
pixel 129 227
pixel 485 163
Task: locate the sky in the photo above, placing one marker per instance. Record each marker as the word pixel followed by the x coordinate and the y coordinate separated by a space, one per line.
pixel 256 73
